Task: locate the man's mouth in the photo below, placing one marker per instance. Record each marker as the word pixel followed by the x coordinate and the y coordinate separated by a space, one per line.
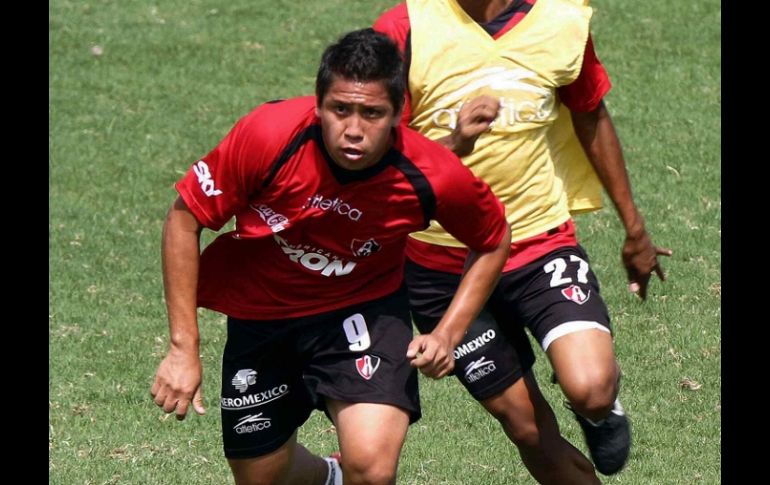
pixel 352 154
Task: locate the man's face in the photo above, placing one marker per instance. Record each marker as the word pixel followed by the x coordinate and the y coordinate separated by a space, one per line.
pixel 356 120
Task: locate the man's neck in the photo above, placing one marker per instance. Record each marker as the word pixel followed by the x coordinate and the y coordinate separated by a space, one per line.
pixel 483 11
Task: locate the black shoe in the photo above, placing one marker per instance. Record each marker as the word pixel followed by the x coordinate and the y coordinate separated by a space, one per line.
pixel 610 442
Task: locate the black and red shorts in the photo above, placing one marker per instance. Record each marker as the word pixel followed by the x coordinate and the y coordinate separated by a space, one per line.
pixel 274 373
pixel 554 295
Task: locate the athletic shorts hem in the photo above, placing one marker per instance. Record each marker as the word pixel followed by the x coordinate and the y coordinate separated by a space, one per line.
pixel 414 413
pixel 502 384
pixel 257 451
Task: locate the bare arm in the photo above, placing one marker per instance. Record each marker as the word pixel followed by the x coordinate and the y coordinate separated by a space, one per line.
pixel 482 271
pixel 596 133
pixel 179 376
pixel 433 353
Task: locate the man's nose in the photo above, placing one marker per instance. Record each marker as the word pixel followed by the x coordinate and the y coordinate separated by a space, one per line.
pixel 353 128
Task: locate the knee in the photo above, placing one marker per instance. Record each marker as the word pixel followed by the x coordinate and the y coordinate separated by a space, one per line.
pixel 521 428
pixel 593 394
pixel 373 471
pixel 524 435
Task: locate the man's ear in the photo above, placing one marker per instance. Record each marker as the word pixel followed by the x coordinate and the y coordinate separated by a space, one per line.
pixel 397 118
pixel 317 111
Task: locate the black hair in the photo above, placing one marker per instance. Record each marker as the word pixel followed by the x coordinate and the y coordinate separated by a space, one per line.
pixel 364 56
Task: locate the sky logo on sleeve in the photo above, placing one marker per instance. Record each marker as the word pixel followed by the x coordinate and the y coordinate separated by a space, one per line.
pixel 201 169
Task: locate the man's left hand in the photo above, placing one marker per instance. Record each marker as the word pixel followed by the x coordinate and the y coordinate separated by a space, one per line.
pixel 640 257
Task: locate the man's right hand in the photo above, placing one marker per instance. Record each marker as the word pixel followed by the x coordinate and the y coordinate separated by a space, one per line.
pixel 178 383
pixel 432 354
pixel 475 117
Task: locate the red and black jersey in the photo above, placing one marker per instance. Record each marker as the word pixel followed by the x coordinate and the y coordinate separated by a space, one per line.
pixel 310 236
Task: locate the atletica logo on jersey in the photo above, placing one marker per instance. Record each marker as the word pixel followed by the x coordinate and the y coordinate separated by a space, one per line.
pixel 367 366
pixel 244 378
pixel 201 169
pixel 533 105
pixel 251 423
pixel 276 222
pixel 315 259
pixel 364 248
pixel 576 294
pixel 335 205
pixel 479 369
pixel 475 344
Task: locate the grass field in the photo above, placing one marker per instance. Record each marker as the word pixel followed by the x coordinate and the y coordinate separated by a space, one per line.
pixel 138 90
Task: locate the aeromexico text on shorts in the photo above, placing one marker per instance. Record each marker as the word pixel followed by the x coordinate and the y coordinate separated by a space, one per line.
pixel 256 399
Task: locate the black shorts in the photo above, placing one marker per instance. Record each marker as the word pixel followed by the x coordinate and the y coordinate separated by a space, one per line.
pixel 274 373
pixel 552 296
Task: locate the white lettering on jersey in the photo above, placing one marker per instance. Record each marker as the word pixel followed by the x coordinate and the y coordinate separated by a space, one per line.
pixel 314 259
pixel 512 109
pixel 201 169
pixel 276 222
pixel 336 205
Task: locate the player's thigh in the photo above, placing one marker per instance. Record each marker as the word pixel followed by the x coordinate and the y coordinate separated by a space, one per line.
pixel 370 434
pixel 269 468
pixel 494 352
pixel 430 293
pixel 556 295
pixel 489 358
pixel 263 400
pixel 558 298
pixel 358 355
pixel 584 363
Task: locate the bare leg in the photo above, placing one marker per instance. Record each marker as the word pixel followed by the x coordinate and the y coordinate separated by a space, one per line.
pixel 371 436
pixel 530 424
pixel 589 376
pixel 585 366
pixel 291 464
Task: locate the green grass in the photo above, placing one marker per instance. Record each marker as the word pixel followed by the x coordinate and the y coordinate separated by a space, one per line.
pixel 171 80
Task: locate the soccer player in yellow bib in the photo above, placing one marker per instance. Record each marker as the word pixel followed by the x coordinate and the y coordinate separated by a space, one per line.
pixel 498 82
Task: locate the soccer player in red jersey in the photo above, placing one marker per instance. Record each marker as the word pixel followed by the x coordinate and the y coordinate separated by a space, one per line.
pixel 324 191
pixel 490 80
